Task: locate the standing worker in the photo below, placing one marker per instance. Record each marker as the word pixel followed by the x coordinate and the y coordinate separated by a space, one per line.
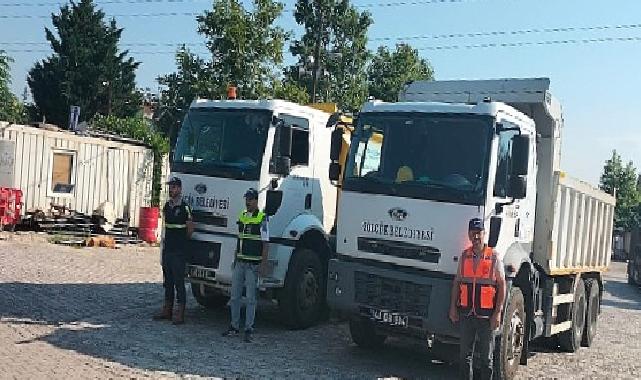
pixel 251 258
pixel 178 229
pixel 478 296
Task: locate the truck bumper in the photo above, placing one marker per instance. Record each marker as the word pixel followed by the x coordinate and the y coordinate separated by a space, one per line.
pixel 210 264
pixel 359 289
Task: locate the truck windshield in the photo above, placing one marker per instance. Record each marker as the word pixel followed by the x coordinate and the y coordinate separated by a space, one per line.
pixel 441 157
pixel 222 142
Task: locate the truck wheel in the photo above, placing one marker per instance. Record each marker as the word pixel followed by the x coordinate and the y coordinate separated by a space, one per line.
pixel 592 315
pixel 302 300
pixel 211 299
pixel 364 334
pixel 570 340
pixel 511 341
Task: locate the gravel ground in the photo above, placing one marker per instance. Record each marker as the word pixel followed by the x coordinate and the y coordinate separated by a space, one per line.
pixel 85 313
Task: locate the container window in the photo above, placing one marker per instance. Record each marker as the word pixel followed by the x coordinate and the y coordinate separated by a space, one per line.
pixel 62 173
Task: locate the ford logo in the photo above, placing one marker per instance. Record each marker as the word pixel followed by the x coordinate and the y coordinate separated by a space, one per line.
pixel 397 214
pixel 201 188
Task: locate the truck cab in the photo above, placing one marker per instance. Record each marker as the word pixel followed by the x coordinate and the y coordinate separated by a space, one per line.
pixel 228 146
pixel 418 170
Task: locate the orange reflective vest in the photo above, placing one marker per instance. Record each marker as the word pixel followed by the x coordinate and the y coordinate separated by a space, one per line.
pixel 477 288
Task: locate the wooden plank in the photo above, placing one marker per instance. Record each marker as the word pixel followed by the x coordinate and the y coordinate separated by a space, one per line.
pixel 562 298
pixel 564 326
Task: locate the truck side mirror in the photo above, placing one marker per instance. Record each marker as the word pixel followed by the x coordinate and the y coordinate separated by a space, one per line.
pixel 334 171
pixel 337 144
pixel 332 120
pixel 283 162
pixel 517 187
pixel 285 140
pixel 495 230
pixel 282 165
pixel 274 198
pixel 520 155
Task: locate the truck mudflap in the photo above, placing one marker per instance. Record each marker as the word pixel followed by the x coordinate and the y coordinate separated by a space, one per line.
pixel 404 302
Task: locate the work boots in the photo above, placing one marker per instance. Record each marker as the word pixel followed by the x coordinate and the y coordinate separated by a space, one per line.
pixel 179 314
pixel 165 313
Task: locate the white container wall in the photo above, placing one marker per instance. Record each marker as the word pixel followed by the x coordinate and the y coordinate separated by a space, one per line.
pixel 98 169
pixel 580 239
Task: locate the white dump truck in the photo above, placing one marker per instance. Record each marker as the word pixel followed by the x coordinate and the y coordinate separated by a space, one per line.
pixel 279 148
pixel 420 169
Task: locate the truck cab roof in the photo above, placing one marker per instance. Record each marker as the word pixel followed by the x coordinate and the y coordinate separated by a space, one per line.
pixel 275 105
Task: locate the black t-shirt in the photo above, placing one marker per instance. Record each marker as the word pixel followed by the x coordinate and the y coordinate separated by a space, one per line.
pixel 175 238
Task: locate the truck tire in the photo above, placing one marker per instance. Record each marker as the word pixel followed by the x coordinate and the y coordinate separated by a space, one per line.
pixel 510 343
pixel 592 315
pixel 364 334
pixel 302 300
pixel 210 300
pixel 570 340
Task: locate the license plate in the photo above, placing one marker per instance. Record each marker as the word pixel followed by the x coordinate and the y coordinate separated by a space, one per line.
pixel 199 272
pixel 389 318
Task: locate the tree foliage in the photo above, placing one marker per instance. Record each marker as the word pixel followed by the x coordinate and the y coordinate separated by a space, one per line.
pixel 86 68
pixel 342 33
pixel 623 180
pixel 11 109
pixel 246 50
pixel 390 70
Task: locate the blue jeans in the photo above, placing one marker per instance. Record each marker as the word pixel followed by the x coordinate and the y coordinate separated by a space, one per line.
pixel 245 274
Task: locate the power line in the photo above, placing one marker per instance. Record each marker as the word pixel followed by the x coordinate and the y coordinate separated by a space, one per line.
pixel 405 38
pixel 168 44
pixel 431 48
pixel 129 52
pixel 192 14
pixel 531 43
pixel 510 32
pixel 51 4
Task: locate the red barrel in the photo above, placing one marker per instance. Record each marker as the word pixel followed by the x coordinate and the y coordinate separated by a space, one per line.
pixel 148 224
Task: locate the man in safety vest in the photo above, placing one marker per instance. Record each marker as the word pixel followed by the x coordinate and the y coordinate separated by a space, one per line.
pixel 178 229
pixel 251 259
pixel 478 296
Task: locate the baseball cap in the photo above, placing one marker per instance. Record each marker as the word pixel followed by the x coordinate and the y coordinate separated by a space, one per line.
pixel 476 224
pixel 175 181
pixel 251 193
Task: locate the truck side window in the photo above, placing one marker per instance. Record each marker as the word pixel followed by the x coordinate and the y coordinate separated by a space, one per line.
pixel 504 162
pixel 300 141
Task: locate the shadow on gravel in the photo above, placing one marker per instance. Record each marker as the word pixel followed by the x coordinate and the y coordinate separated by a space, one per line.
pixel 621 295
pixel 112 322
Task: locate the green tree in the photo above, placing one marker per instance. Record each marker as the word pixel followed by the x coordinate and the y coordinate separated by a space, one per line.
pixel 86 69
pixel 11 109
pixel 390 71
pixel 247 50
pixel 623 180
pixel 246 46
pixel 191 80
pixel 336 33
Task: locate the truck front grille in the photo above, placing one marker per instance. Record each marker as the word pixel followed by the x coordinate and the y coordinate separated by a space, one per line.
pixel 209 219
pixel 401 249
pixel 390 294
pixel 204 253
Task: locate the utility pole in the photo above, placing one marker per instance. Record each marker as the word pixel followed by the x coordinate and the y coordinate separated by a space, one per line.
pixel 319 41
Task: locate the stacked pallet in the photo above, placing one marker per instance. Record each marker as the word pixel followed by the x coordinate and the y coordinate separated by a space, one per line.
pixel 78 229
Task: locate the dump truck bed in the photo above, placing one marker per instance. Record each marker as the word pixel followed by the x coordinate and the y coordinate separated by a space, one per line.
pixel 579 227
